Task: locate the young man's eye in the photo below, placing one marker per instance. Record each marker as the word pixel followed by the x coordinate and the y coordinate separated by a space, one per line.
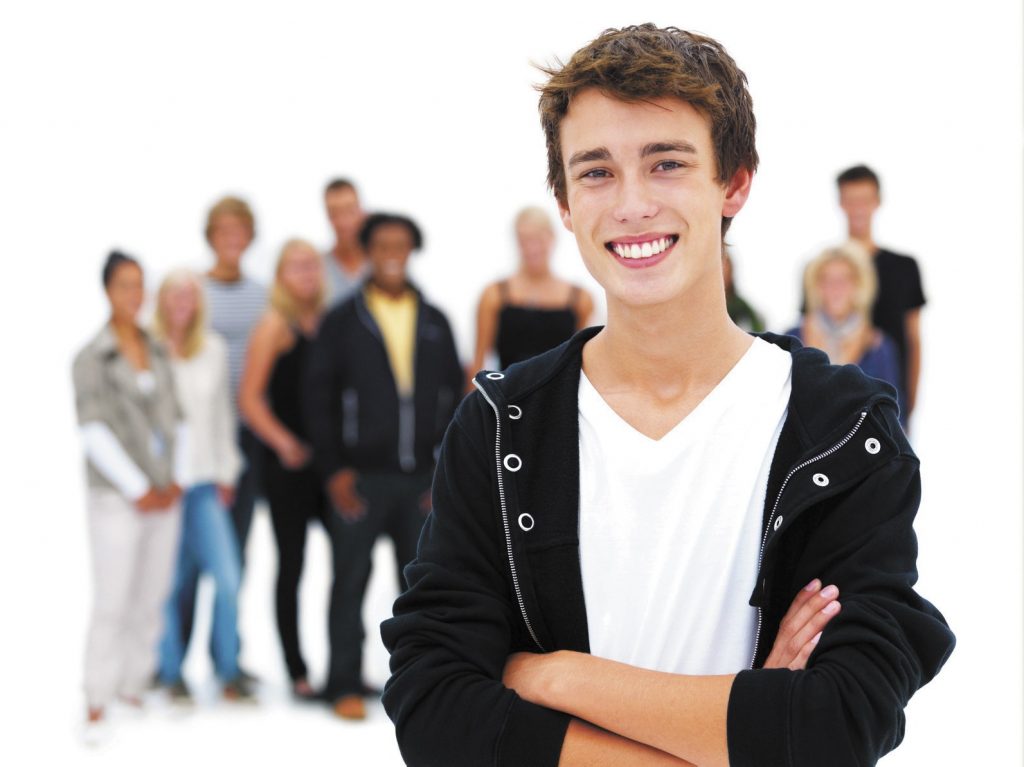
pixel 670 165
pixel 594 173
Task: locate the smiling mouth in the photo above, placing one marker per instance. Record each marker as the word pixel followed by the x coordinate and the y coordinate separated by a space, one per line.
pixel 640 250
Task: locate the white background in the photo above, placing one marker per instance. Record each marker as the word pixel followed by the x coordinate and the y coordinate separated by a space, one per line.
pixel 123 122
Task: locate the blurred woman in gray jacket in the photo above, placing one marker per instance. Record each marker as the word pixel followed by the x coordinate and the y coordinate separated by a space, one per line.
pixel 136 455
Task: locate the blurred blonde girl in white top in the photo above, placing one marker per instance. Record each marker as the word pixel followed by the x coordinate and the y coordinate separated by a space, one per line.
pixel 209 544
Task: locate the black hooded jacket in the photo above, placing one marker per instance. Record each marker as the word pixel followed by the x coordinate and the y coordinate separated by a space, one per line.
pixel 498 571
pixel 355 416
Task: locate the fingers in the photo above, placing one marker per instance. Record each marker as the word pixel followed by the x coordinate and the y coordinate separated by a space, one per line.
pixel 806 594
pixel 800 629
pixel 808 636
pixel 800 661
pixel 352 509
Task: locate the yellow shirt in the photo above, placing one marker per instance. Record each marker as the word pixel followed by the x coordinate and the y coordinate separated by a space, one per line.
pixel 396 318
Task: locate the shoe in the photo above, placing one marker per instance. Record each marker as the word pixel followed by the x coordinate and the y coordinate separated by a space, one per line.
pixel 350 707
pixel 240 690
pixel 370 691
pixel 179 693
pixel 96 729
pixel 128 707
pixel 248 676
pixel 303 691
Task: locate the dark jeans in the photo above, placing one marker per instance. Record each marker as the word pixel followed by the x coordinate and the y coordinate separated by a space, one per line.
pixel 247 490
pixel 393 508
pixel 295 498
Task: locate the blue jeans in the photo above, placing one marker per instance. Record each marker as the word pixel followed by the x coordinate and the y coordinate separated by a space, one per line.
pixel 208 544
pixel 247 490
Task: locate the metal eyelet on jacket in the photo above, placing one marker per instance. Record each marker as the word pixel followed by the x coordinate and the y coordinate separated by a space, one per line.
pixel 525 522
pixel 872 445
pixel 778 523
pixel 495 376
pixel 515 412
pixel 510 459
pixel 820 480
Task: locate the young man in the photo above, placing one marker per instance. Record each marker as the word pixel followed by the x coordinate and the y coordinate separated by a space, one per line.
pixel 382 386
pixel 235 303
pixel 346 262
pixel 897 309
pixel 651 510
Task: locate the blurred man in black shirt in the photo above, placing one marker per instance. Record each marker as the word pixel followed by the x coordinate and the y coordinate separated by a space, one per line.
pixel 897 309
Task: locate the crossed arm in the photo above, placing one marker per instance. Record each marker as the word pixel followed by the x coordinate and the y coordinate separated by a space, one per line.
pixel 624 714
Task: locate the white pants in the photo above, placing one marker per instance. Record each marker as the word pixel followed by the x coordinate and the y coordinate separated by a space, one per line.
pixel 133 556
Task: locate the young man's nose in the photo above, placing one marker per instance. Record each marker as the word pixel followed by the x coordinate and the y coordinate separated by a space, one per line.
pixel 634 201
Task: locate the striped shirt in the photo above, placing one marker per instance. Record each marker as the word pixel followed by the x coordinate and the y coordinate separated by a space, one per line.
pixel 234 309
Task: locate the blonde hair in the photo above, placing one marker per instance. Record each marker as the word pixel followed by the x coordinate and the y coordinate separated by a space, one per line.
pixel 534 215
pixel 859 260
pixel 195 333
pixel 230 206
pixel 280 299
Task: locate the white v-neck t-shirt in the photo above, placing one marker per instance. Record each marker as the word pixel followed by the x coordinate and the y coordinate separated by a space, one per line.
pixel 670 529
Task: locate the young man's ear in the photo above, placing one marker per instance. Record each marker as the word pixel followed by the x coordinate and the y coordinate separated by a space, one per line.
pixel 736 192
pixel 565 215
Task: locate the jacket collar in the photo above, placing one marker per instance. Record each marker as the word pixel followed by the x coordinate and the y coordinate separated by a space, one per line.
pixel 104 343
pixel 820 390
pixel 362 308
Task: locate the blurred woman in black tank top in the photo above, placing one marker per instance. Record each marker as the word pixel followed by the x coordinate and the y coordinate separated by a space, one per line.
pixel 533 310
pixel 525 331
pixel 270 401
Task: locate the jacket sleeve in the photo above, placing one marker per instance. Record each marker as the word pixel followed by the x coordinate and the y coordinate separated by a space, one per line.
pixel 89 383
pixel 846 707
pixel 452 631
pixel 322 390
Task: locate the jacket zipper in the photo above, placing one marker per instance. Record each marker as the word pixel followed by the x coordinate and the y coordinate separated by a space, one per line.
pixel 775 508
pixel 504 518
pixel 406 433
pixel 406 404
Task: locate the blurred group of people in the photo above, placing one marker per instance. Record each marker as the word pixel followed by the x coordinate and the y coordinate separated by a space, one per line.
pixel 327 394
pixel 861 302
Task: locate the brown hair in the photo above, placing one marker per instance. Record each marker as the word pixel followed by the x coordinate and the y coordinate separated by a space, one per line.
pixel 230 206
pixel 859 173
pixel 337 184
pixel 644 62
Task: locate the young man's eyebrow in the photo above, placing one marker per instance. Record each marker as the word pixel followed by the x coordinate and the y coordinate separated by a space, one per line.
pixel 601 153
pixel 661 147
pixel 590 155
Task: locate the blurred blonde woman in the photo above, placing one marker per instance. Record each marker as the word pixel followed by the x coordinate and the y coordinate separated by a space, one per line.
pixel 840 287
pixel 532 310
pixel 270 402
pixel 209 544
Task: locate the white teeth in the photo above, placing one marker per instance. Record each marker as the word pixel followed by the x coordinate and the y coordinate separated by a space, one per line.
pixel 645 250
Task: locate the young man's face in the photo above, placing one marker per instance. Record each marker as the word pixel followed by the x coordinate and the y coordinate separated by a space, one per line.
pixel 344 212
pixel 389 249
pixel 859 201
pixel 643 199
pixel 229 238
